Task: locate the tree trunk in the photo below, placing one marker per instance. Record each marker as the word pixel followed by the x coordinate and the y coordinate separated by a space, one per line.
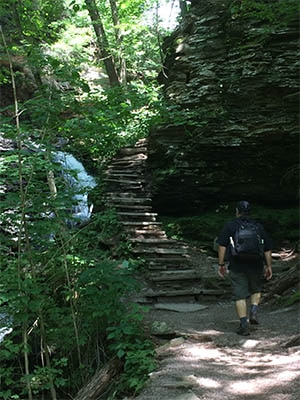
pixel 100 382
pixel 119 41
pixel 183 8
pixel 102 42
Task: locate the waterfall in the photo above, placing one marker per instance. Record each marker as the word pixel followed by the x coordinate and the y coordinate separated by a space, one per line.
pixel 5 328
pixel 79 181
pixel 76 178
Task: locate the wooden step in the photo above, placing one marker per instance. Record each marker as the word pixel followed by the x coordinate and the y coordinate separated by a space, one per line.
pixel 183 292
pixel 132 165
pixel 145 233
pixel 184 274
pixel 137 214
pixel 159 250
pixel 121 175
pixel 130 169
pixel 129 200
pixel 122 185
pixel 168 263
pixel 138 158
pixel 124 181
pixel 127 195
pixel 141 223
pixel 144 230
pixel 159 247
pixel 132 150
pixel 161 268
pixel 175 260
pixel 153 241
pixel 133 207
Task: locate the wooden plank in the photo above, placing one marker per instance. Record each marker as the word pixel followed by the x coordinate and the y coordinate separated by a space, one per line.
pixel 155 268
pixel 121 175
pixel 128 200
pixel 132 150
pixel 145 230
pixel 152 241
pixel 141 223
pixel 160 251
pixel 134 159
pixel 133 207
pixel 137 214
pixel 167 260
pixel 124 181
pixel 174 276
pixel 183 292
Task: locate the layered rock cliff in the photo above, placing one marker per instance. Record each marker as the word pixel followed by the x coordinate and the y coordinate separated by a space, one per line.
pixel 231 69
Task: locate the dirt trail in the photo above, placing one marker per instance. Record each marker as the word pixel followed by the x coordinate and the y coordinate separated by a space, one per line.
pixel 202 358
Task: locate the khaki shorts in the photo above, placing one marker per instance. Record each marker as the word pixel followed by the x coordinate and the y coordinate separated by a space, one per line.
pixel 244 284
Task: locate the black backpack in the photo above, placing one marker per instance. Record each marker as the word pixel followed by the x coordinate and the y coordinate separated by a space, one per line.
pixel 247 243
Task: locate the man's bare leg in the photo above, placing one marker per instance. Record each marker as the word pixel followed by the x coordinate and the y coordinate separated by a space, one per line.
pixel 241 308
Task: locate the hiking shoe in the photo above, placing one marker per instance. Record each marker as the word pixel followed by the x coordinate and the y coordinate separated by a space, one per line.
pixel 253 319
pixel 243 331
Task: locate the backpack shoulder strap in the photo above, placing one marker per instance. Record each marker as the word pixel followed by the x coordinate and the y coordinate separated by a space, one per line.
pixel 238 223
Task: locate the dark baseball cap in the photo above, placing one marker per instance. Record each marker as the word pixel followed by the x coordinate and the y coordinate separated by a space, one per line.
pixel 243 206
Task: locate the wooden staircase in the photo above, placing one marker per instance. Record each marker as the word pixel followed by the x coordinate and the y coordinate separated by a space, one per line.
pixel 168 270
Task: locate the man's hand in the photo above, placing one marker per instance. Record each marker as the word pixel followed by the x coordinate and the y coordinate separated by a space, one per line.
pixel 268 273
pixel 268 267
pixel 222 271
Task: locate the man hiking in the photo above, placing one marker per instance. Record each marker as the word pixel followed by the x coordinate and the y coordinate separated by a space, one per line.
pixel 248 248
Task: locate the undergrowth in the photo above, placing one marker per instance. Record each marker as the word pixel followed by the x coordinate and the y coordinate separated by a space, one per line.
pixel 201 230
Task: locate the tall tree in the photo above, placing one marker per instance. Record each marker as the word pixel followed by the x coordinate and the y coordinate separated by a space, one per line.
pixel 119 41
pixel 183 7
pixel 102 41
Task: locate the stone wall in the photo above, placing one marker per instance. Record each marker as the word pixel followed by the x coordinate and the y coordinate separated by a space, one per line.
pixel 233 74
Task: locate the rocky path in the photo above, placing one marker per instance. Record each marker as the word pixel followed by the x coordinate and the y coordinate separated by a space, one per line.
pixel 200 357
pixel 191 319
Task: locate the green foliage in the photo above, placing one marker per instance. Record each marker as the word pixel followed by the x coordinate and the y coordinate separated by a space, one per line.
pixel 288 299
pixel 200 230
pixel 275 14
pixel 281 224
pixel 292 299
pixel 50 274
pixel 115 118
pixel 31 21
pixel 129 343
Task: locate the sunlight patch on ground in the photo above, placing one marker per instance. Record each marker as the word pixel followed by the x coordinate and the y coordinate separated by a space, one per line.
pixel 249 344
pixel 291 359
pixel 202 352
pixel 208 383
pixel 287 372
pixel 262 384
pixel 251 372
pixel 288 375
